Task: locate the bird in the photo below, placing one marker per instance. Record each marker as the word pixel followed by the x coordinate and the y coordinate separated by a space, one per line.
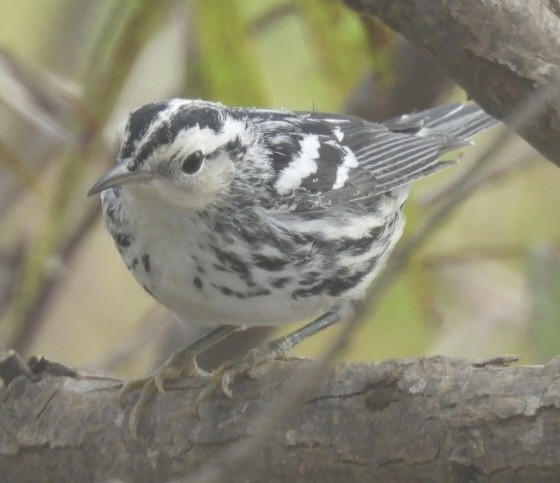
pixel 236 217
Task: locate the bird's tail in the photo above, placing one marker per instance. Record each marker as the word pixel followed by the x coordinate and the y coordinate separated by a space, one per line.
pixel 459 121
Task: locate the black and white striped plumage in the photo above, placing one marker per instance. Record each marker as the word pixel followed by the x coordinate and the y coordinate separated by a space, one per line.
pixel 256 217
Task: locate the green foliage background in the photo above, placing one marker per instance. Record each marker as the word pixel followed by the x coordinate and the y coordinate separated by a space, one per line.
pixel 487 283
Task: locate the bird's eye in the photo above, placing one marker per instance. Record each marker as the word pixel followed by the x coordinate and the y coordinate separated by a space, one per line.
pixel 193 162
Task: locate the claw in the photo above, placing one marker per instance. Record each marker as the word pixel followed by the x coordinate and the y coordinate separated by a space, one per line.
pixel 226 382
pixel 227 373
pixel 159 382
pixel 180 365
pixel 146 393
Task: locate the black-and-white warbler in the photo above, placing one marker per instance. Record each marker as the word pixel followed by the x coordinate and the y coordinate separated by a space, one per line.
pixel 241 217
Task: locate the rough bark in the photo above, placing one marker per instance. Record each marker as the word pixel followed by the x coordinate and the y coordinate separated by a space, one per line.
pixel 500 52
pixel 423 420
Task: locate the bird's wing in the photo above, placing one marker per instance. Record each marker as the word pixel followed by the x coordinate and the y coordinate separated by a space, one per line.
pixel 324 160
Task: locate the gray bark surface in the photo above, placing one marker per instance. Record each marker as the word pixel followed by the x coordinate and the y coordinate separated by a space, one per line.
pixel 424 420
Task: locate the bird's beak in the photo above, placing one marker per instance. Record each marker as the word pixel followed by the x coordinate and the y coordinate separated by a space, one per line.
pixel 119 175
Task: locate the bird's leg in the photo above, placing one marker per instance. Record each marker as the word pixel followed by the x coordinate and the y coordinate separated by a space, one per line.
pixel 181 364
pixel 275 349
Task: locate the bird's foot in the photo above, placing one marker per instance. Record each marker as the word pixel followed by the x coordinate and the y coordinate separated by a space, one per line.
pixel 225 375
pixel 180 365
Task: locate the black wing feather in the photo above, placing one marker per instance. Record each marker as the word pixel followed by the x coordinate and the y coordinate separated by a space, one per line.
pixel 376 158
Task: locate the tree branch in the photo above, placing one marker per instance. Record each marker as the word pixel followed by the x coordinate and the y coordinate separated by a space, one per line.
pixel 429 419
pixel 499 52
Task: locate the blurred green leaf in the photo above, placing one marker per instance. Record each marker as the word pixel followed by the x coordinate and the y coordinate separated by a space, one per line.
pixel 226 67
pixel 128 27
pixel 337 39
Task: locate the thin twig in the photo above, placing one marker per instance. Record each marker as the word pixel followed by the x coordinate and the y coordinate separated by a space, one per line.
pixel 510 168
pixel 23 338
pixel 27 176
pixel 468 254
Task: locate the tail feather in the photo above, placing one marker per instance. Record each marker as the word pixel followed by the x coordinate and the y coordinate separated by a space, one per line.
pixel 461 121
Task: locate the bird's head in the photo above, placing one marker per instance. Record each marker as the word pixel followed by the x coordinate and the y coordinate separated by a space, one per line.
pixel 183 152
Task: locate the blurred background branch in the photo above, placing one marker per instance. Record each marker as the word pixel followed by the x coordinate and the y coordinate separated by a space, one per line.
pixel 474 43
